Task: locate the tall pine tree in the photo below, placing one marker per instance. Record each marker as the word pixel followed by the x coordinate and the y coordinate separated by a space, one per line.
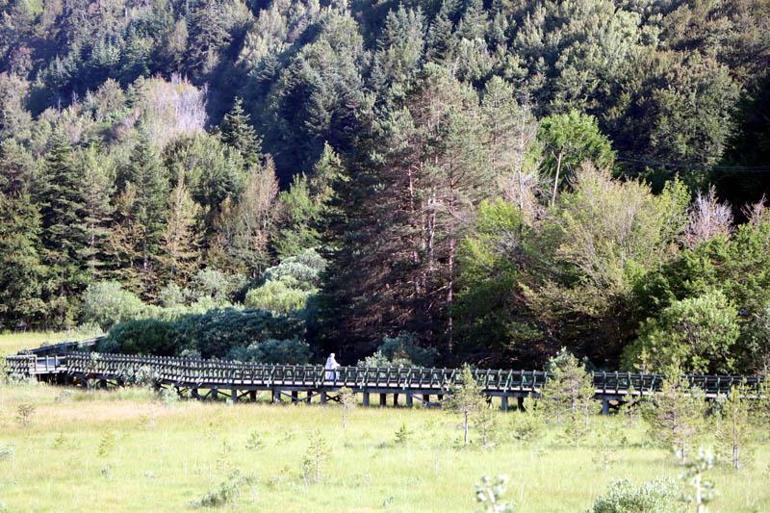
pixel 64 241
pixel 236 131
pixel 21 272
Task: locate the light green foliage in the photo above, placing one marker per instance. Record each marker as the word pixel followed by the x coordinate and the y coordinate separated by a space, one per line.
pixel 489 493
pixel 466 399
pixel 676 415
pixel 290 285
pixel 316 459
pixel 107 303
pixel 569 140
pixel 701 490
pixel 401 351
pixel 528 426
pixel 402 435
pixel 281 296
pixel 603 237
pixel 226 492
pixel 736 428
pixel 568 395
pixel 348 403
pixel 696 334
pixel 359 473
pixel 487 424
pixel 216 285
pixel 649 497
pixel 492 321
pixel 738 268
pixel 308 205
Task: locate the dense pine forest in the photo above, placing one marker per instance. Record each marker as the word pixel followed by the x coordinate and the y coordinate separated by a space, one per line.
pixel 433 181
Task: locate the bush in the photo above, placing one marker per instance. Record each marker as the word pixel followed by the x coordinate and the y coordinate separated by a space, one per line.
pixel 273 351
pixel 289 285
pixel 568 395
pixel 107 303
pixel 401 351
pixel 146 336
pixel 227 492
pixel 696 334
pixel 216 332
pixel 220 287
pixel 282 296
pixel 650 497
pixel 212 334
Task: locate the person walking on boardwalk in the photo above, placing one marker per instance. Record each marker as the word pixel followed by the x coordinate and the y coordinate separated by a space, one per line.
pixel 331 368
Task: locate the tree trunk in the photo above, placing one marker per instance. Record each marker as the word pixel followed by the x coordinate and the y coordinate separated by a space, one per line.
pixel 450 293
pixel 465 428
pixel 556 179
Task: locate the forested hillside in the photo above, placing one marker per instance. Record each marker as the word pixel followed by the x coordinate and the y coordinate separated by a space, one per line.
pixel 445 180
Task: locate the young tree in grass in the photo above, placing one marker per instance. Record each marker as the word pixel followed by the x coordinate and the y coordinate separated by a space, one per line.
pixel 735 427
pixel 568 395
pixel 348 404
pixel 702 489
pixel 676 415
pixel 316 458
pixel 489 493
pixel 466 398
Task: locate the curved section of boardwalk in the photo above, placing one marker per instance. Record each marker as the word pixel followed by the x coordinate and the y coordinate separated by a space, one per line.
pixel 200 379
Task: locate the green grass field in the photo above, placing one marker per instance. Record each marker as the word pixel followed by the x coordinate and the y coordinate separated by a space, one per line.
pixel 13 342
pixel 127 451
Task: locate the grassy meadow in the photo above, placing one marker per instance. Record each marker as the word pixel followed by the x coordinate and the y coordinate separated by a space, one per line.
pixel 69 450
pixel 127 451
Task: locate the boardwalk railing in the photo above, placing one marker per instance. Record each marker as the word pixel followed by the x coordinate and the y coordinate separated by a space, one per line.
pixel 214 375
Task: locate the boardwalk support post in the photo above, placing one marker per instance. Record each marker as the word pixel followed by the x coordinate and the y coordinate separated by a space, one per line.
pixel 504 403
pixel 605 406
pixel 366 399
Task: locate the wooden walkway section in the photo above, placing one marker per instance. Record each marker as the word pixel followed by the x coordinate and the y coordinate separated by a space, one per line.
pixel 236 381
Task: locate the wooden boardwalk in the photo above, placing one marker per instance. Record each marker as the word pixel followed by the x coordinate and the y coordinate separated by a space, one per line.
pixel 237 381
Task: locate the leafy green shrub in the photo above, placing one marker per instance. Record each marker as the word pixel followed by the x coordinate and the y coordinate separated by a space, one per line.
pixel 401 351
pixel 227 491
pixel 697 334
pixel 316 458
pixel 146 336
pixel 214 284
pixel 216 332
pixel 289 285
pixel 107 303
pixel 490 494
pixel 284 295
pixel 568 395
pixel 306 268
pixel 402 435
pixel 213 334
pixel 273 351
pixel 625 497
